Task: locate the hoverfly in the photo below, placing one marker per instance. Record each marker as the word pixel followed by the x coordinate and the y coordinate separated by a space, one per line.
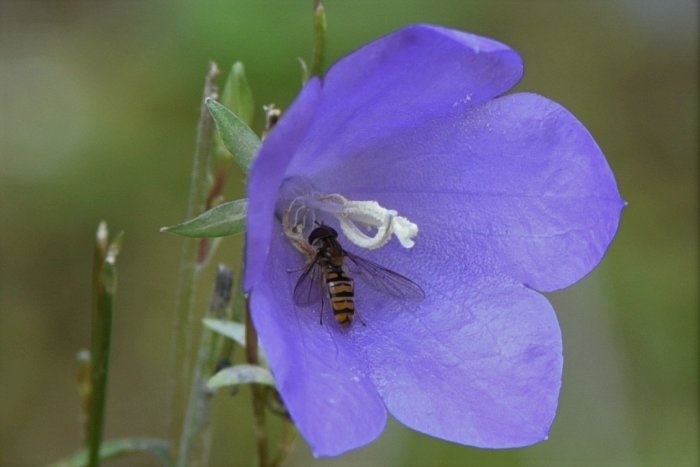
pixel 326 271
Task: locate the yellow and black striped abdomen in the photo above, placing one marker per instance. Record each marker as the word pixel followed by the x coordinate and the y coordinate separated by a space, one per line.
pixel 341 292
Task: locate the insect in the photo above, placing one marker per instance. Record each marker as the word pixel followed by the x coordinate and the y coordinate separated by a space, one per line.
pixel 328 271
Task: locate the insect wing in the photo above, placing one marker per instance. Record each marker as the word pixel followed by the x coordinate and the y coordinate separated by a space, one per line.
pixel 308 288
pixel 383 279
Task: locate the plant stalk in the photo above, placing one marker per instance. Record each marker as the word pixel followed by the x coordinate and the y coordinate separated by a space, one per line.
pixel 104 285
pixel 189 273
pixel 286 445
pixel 195 439
pixel 319 51
pixel 258 392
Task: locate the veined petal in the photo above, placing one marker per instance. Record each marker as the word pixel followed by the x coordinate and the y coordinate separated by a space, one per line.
pixel 397 82
pixel 517 181
pixel 267 174
pixel 325 388
pixel 479 363
pixel 509 194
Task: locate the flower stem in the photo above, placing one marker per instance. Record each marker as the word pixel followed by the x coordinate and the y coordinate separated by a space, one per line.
pixel 113 448
pixel 286 445
pixel 258 393
pixel 234 313
pixel 195 439
pixel 104 287
pixel 182 341
pixel 319 50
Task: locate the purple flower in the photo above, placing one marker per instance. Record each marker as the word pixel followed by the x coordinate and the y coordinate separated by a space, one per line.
pixel 511 196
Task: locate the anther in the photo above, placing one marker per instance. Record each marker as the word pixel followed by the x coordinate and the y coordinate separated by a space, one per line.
pixel 367 224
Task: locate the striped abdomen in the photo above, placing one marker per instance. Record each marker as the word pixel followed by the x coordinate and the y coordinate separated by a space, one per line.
pixel 341 293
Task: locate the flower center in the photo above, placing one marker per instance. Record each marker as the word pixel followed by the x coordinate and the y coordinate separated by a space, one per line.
pixel 365 223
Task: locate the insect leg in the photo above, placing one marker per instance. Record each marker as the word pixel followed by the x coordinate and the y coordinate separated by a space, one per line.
pixel 359 316
pixel 321 317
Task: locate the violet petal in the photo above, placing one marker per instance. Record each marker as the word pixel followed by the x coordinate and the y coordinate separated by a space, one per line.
pixel 267 173
pixel 398 81
pixel 325 388
pixel 509 194
pixel 516 185
pixel 478 363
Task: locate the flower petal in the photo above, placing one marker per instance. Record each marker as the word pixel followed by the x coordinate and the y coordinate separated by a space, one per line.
pixel 267 174
pixel 517 185
pixel 401 80
pixel 331 400
pixel 478 363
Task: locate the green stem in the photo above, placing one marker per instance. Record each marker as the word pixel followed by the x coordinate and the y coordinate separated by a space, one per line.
pixel 272 116
pixel 258 392
pixel 104 285
pixel 182 341
pixel 195 439
pixel 286 444
pixel 234 313
pixel 319 50
pixel 114 448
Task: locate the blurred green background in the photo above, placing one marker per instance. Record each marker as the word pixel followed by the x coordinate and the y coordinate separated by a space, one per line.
pixel 98 107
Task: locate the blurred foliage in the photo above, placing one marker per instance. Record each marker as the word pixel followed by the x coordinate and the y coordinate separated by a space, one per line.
pixel 98 107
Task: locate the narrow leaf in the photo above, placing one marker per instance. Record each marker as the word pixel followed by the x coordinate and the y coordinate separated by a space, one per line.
pixel 241 374
pixel 237 94
pixel 320 28
pixel 189 273
pixel 238 138
pixel 220 221
pixel 84 386
pixel 104 288
pixel 231 329
pixel 304 70
pixel 195 437
pixel 120 447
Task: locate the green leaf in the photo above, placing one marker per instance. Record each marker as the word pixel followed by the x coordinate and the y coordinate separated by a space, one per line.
pixel 237 94
pixel 304 70
pixel 104 287
pixel 220 221
pixel 232 330
pixel 241 374
pixel 119 447
pixel 320 28
pixel 238 138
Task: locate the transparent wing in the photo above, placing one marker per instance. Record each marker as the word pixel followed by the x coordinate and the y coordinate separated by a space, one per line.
pixel 383 279
pixel 309 287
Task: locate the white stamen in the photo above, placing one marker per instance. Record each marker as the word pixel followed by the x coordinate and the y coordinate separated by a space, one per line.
pixel 404 230
pixel 358 219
